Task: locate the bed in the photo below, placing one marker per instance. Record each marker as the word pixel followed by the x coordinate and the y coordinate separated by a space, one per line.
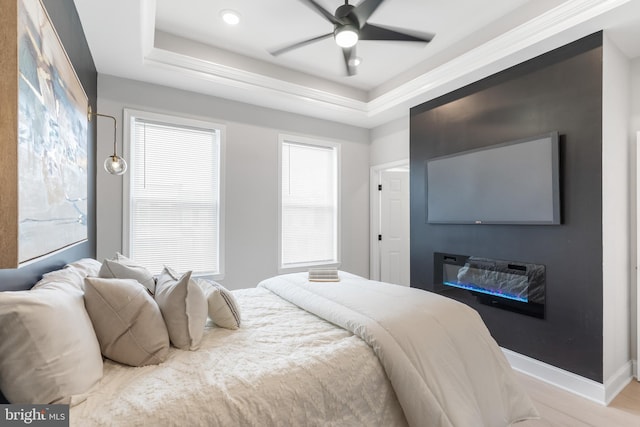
pixel 351 353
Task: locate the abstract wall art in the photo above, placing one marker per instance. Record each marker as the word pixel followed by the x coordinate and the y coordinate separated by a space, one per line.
pixel 52 140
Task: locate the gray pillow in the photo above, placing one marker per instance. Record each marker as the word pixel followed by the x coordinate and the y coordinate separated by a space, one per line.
pixel 124 268
pixel 222 306
pixel 183 307
pixel 127 321
pixel 48 348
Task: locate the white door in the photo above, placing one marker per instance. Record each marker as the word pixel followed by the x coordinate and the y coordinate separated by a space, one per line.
pixel 394 226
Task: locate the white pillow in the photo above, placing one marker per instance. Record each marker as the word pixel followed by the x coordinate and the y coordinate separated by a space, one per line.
pixel 183 307
pixel 222 306
pixel 124 268
pixel 72 273
pixel 68 275
pixel 127 321
pixel 86 267
pixel 48 349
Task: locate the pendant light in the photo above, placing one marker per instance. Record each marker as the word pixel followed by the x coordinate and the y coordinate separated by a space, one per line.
pixel 113 164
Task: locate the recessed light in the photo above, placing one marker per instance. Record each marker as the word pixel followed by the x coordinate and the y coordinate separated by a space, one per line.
pixel 354 62
pixel 231 17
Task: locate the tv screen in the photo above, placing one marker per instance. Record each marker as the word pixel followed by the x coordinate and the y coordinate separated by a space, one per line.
pixel 516 182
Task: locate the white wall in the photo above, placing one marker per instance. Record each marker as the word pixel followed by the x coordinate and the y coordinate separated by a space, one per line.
pixel 616 216
pixel 634 128
pixel 390 142
pixel 635 97
pixel 251 175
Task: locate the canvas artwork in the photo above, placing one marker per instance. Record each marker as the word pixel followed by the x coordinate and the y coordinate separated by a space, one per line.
pixel 52 140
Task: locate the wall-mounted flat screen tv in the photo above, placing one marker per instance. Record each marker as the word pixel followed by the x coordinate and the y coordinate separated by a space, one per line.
pixel 516 182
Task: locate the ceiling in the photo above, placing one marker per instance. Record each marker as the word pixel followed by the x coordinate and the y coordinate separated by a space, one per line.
pixel 185 44
pixel 271 24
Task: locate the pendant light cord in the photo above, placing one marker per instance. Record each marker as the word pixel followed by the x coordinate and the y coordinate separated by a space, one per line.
pixel 115 132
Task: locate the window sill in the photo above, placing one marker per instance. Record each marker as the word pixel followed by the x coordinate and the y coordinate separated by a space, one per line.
pixel 208 276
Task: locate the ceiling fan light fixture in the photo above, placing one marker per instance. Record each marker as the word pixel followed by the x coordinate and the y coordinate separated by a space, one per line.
pixel 231 17
pixel 346 36
pixel 349 26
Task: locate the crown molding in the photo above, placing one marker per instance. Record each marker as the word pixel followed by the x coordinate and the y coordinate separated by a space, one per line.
pixel 544 27
pixel 243 79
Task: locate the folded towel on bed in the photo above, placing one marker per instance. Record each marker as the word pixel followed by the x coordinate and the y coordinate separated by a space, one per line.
pixel 323 275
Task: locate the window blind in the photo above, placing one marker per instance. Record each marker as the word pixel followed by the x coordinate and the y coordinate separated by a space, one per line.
pixel 309 209
pixel 174 197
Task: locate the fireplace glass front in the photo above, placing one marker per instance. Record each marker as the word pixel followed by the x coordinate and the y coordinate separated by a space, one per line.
pixel 512 285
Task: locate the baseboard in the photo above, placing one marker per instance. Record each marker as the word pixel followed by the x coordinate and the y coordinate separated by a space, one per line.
pixel 619 380
pixel 584 387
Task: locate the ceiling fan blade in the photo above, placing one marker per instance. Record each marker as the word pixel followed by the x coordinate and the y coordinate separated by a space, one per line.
pixel 365 9
pixel 299 44
pixel 373 32
pixel 349 54
pixel 322 11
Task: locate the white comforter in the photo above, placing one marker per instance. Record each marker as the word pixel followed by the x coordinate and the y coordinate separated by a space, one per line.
pixel 283 367
pixel 444 365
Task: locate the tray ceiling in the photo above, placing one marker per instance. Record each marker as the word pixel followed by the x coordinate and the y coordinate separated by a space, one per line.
pixel 187 45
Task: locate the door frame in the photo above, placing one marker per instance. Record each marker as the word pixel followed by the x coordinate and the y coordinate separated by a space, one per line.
pixel 636 311
pixel 374 214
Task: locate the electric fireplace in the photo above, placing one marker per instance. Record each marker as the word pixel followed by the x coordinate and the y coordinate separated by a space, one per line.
pixel 509 285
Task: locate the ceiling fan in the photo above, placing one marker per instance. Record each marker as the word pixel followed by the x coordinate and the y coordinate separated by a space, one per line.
pixel 350 25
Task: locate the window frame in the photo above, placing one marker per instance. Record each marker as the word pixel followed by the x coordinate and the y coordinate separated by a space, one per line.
pixel 313 142
pixel 177 120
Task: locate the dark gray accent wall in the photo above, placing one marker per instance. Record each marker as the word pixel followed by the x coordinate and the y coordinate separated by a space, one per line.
pixel 558 91
pixel 67 23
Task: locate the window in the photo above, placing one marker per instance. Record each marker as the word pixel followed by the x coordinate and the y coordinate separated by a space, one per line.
pixel 309 211
pixel 174 193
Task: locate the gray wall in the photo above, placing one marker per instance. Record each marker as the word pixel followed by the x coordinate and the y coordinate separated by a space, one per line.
pixel 390 142
pixel 251 181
